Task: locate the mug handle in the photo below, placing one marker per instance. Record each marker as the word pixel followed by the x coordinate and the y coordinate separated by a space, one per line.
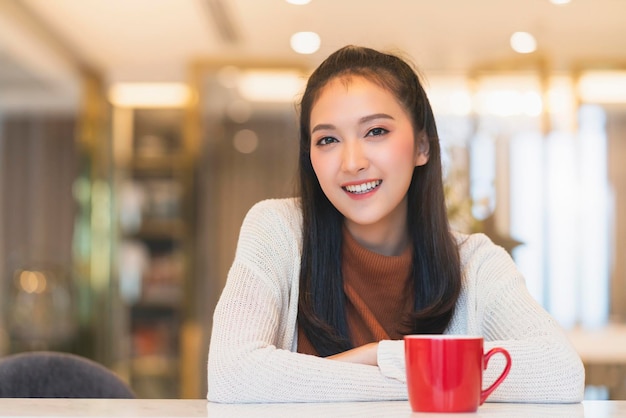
pixel 485 393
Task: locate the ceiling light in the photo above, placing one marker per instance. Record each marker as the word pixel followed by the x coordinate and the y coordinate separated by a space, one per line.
pixel 559 2
pixel 298 2
pixel 149 95
pixel 603 87
pixel 305 42
pixel 523 42
pixel 509 102
pixel 271 86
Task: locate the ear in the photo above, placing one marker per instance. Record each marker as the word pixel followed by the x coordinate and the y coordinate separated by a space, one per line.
pixel 422 152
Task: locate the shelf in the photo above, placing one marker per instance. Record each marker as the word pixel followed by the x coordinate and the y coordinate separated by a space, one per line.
pixel 157 164
pixel 155 366
pixel 173 229
pixel 154 226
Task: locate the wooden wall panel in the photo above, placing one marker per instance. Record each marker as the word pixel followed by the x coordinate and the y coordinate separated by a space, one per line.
pixel 38 165
pixel 616 131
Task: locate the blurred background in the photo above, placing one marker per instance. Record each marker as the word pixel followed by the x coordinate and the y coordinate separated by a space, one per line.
pixel 136 134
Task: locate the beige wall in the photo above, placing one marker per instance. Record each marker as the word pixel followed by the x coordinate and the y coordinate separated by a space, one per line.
pixel 228 184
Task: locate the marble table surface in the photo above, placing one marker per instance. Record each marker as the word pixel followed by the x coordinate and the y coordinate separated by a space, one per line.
pixel 200 408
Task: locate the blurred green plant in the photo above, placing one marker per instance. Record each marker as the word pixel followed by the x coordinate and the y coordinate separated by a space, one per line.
pixel 459 205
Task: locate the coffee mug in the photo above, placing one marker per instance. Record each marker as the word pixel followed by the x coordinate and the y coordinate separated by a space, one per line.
pixel 445 372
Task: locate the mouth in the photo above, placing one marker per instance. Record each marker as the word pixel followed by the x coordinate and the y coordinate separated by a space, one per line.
pixel 363 187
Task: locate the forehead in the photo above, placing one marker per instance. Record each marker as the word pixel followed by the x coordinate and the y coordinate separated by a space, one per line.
pixel 349 80
pixel 355 90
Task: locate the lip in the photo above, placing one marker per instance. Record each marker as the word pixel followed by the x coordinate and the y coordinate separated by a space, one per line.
pixel 361 196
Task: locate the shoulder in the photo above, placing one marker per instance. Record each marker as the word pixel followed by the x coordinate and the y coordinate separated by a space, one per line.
pixel 272 225
pixel 285 209
pixel 274 214
pixel 477 246
pixel 485 263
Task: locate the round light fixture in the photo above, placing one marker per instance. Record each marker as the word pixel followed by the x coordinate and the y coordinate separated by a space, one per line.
pixel 305 42
pixel 523 42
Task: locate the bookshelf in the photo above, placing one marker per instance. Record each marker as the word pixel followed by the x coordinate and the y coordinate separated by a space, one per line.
pixel 154 245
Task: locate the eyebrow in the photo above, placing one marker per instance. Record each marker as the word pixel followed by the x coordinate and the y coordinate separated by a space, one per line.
pixel 364 119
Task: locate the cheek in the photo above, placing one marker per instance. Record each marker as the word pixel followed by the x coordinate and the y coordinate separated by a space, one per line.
pixel 402 153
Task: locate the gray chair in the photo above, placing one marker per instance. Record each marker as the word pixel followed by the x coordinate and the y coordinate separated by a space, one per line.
pixel 46 374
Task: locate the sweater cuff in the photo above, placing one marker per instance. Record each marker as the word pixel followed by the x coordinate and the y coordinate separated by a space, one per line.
pixel 391 359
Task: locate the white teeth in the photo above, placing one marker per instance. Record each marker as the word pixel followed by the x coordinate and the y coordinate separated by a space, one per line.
pixel 363 188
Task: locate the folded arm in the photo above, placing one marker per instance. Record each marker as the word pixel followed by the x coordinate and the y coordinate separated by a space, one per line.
pixel 248 364
pixel 251 356
pixel 497 305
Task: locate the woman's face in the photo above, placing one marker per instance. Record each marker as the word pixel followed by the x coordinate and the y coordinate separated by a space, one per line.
pixel 363 151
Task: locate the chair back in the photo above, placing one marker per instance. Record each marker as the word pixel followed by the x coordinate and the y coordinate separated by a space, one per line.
pixel 47 374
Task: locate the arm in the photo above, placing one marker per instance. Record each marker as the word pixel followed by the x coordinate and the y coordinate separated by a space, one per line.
pixel 496 304
pixel 250 357
pixel 545 366
pixel 365 354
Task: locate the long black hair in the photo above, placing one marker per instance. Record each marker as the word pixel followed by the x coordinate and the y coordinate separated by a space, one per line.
pixel 436 272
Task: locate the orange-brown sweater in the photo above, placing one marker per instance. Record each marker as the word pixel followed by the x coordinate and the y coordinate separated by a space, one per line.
pixel 378 294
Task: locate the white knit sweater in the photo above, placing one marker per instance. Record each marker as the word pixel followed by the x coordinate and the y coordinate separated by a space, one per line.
pixel 253 358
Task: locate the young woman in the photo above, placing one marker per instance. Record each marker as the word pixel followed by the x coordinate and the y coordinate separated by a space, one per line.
pixel 323 287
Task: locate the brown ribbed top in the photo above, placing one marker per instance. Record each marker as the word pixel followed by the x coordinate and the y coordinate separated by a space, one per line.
pixel 378 294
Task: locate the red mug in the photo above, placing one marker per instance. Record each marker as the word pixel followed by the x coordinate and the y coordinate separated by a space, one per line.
pixel 445 372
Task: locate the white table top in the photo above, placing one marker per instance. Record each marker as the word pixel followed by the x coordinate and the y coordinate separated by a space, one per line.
pixel 200 408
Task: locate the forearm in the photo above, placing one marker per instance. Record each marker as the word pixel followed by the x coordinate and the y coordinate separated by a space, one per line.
pixel 272 375
pixel 545 366
pixel 543 370
pixel 365 354
pixel 250 360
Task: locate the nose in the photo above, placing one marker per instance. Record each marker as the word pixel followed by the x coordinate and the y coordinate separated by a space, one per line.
pixel 353 157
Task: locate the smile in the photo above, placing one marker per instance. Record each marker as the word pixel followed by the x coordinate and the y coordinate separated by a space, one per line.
pixel 362 188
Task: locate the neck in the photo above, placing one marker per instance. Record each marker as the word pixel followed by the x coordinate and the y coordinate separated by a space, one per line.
pixel 388 238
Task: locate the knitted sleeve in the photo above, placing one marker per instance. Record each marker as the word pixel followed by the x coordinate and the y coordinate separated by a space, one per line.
pixel 545 366
pixel 497 305
pixel 250 357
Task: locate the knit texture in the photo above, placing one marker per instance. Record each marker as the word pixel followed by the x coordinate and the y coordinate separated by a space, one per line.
pixel 253 358
pixel 378 294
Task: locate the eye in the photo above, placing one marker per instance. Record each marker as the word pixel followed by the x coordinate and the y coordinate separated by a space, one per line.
pixel 326 140
pixel 377 132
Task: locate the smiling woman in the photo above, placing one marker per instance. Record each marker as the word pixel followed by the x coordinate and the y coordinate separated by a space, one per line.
pixel 354 146
pixel 324 287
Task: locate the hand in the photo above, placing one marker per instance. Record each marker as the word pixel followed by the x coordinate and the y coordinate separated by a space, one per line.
pixel 365 354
